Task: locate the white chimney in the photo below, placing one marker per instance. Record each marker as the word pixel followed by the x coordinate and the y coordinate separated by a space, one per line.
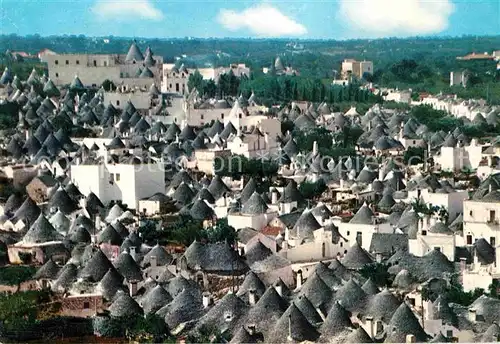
pixel 410 338
pixel 153 261
pixel 252 298
pixel 472 315
pixel 132 286
pixel 299 279
pixel 251 329
pixel 321 314
pixel 370 327
pixel 207 300
pixel 98 222
pixel 279 289
pixel 274 197
pixel 315 148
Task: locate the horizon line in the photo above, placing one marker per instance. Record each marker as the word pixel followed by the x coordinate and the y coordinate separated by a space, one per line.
pixel 434 37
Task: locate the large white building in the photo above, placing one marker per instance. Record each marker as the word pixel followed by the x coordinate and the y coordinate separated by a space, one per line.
pixel 126 182
pixel 356 68
pixel 456 157
pixel 134 68
pixel 175 79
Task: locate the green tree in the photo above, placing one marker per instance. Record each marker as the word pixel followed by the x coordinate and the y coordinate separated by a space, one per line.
pixel 195 81
pixel 221 231
pixel 16 274
pixel 378 273
pixel 108 85
pixel 414 155
pixel 9 115
pixel 210 88
pixel 312 190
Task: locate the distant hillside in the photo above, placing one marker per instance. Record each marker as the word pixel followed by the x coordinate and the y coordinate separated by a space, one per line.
pixel 313 56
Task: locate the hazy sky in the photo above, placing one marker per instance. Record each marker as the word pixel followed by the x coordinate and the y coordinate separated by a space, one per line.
pixel 339 19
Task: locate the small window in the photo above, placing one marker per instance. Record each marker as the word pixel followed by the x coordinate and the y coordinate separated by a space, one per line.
pixel 177 87
pixel 437 248
pixel 56 62
pixel 239 115
pixel 470 213
pixel 117 103
pixel 348 233
pixel 95 63
pixel 169 86
pixel 86 305
pixel 424 232
pixel 117 177
pixel 67 62
pixel 492 241
pixel 77 62
pixel 222 116
pixel 202 116
pixel 469 239
pixel 57 75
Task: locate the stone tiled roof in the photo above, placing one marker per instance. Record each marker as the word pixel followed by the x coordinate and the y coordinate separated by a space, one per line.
pixel 295 322
pixel 356 257
pixel 127 267
pixel 41 231
pixel 124 306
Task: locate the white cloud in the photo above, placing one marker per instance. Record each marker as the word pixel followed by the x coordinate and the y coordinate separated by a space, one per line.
pixel 377 18
pixel 262 20
pixel 125 9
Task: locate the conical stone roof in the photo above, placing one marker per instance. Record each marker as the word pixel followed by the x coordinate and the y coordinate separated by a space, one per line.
pixel 124 306
pixel 155 299
pixel 403 323
pixel 49 270
pixel 356 257
pixel 134 53
pixel 295 325
pixel 96 267
pixel 41 231
pixel 127 267
pixel 110 284
pixel 338 320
